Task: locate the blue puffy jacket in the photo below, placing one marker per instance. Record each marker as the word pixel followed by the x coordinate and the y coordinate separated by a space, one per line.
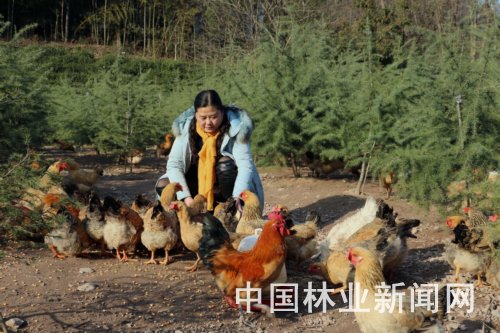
pixel 235 145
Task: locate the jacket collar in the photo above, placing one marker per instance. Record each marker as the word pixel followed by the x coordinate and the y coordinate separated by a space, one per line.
pixel 241 125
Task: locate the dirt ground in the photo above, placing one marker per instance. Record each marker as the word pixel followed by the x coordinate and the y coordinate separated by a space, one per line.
pixel 134 297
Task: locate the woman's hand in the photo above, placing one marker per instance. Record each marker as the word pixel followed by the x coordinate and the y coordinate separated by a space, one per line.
pixel 188 201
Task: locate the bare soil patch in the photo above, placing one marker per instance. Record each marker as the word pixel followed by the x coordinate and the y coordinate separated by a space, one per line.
pixel 134 297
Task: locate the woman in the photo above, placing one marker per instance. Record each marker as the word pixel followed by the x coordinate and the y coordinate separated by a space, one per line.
pixel 211 153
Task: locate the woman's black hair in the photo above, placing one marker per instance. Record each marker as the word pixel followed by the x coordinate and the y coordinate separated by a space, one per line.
pixel 203 99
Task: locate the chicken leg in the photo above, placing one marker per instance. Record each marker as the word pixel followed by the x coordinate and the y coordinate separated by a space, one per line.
pixel 457 272
pixel 338 290
pixel 56 253
pixel 194 267
pixel 118 255
pixel 124 257
pixel 152 260
pixel 479 282
pixel 167 259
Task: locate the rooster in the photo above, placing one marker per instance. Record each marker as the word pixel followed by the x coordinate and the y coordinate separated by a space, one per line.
pixel 233 269
pixel 251 217
pixel 369 275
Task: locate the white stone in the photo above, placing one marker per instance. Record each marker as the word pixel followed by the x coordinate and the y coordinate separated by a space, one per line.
pixel 15 323
pixel 86 270
pixel 89 286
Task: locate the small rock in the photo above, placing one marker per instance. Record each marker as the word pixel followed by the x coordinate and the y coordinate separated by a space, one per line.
pixel 496 313
pixel 87 286
pixel 15 323
pixel 86 270
pixel 463 327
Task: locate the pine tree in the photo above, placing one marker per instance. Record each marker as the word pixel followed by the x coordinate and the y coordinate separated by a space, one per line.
pixel 23 98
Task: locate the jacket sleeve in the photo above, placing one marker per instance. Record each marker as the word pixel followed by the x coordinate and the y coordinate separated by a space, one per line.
pixel 176 166
pixel 243 159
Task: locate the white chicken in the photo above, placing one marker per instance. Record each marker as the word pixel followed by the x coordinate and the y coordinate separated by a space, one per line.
pixel 346 227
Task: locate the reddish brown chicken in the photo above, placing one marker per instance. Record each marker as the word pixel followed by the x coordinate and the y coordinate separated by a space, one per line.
pixel 163 149
pixel 233 269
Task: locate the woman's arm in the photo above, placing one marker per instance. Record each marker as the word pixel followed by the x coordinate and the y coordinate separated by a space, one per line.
pixel 176 167
pixel 243 159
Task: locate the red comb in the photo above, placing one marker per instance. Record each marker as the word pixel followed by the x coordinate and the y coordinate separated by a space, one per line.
pixel 492 218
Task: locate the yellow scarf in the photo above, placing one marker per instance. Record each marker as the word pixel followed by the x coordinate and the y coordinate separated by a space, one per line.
pixel 206 165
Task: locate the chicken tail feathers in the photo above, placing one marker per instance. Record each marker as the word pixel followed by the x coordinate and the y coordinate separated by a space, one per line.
pixel 214 237
pixel 313 217
pixel 405 227
pixel 386 212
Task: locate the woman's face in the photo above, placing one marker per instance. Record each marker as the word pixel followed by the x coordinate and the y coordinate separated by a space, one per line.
pixel 209 118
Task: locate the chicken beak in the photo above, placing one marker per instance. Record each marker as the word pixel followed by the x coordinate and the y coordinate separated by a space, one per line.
pixel 285 231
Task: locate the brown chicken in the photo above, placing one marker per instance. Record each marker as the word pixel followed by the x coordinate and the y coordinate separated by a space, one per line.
pixel 337 270
pixel 70 238
pixel 65 145
pixel 163 149
pixel 471 262
pixel 387 181
pixel 94 221
pixel 233 269
pixel 190 227
pixel 251 217
pixel 133 157
pixel 493 272
pixel 33 198
pixel 123 227
pixel 160 232
pixel 228 213
pixel 473 248
pixel 169 194
pixel 301 244
pixel 384 238
pixel 141 204
pixel 369 275
pixel 198 206
pixel 83 179
pixel 476 217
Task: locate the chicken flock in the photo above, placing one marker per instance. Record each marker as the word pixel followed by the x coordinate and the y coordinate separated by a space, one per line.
pixel 366 247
